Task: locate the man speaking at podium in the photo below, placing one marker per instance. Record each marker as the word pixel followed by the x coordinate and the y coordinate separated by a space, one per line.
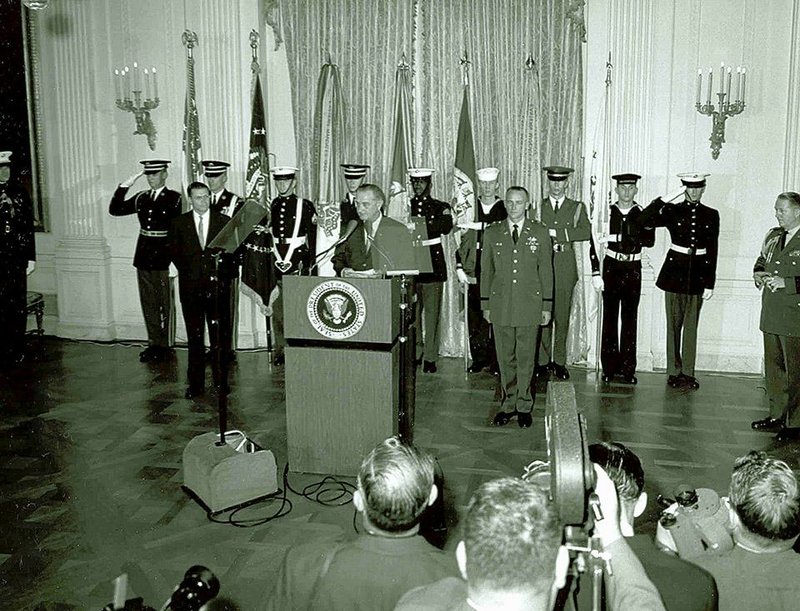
pixel 362 249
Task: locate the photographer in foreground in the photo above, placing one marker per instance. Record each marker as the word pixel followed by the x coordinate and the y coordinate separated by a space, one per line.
pixel 511 556
pixel 761 571
pixel 683 586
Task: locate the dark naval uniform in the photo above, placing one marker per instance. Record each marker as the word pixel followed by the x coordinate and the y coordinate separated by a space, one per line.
pixel 439 222
pixel 347 210
pixel 689 269
pixel 516 286
pixel 226 202
pixel 17 247
pixel 290 256
pixel 570 223
pixel 622 289
pixel 468 258
pixel 151 258
pixel 780 324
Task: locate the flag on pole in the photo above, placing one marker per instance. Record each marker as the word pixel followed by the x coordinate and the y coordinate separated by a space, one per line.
pixel 464 167
pixel 257 271
pixel 527 164
pixel 191 122
pixel 399 207
pixel 326 156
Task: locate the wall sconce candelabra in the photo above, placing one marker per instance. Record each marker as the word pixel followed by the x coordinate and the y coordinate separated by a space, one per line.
pixel 725 108
pixel 129 98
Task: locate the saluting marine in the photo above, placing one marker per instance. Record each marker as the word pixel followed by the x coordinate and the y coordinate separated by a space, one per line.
pixel 689 272
pixel 155 209
pixel 439 222
pixel 621 280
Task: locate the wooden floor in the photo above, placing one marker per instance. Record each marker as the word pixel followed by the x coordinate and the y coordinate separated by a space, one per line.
pixel 91 464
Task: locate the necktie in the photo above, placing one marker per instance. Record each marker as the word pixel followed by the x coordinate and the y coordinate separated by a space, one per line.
pixel 515 234
pixel 370 229
pixel 153 194
pixel 782 242
pixel 201 234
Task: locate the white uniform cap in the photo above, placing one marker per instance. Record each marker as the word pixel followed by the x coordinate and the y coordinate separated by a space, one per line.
pixel 488 174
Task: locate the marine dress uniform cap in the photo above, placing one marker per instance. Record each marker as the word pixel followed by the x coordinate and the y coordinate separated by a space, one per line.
pixel 420 172
pixel 5 157
pixel 354 170
pixel 558 172
pixel 284 172
pixel 693 179
pixel 212 167
pixel 626 179
pixel 488 174
pixel 154 166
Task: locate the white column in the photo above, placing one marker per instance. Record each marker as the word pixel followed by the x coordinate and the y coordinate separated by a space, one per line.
pixel 791 163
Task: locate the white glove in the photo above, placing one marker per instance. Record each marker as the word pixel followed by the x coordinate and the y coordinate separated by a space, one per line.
pixel 552 233
pixel 597 283
pixel 671 197
pixel 708 294
pixel 470 225
pixel 173 271
pixel 612 237
pixel 462 276
pixel 128 182
pixel 273 296
pixel 31 267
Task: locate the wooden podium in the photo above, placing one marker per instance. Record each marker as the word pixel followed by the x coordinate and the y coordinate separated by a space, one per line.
pixel 343 370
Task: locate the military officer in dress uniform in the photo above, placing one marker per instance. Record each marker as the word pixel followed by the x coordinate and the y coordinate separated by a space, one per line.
pixel 621 280
pixel 516 296
pixel 777 274
pixel 294 235
pixel 354 176
pixel 689 272
pixel 228 203
pixel 18 253
pixel 490 209
pixel 155 209
pixel 439 222
pixel 566 222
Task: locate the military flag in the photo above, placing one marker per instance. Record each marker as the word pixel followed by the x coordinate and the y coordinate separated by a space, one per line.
pixel 464 167
pixel 399 207
pixel 326 156
pixel 191 122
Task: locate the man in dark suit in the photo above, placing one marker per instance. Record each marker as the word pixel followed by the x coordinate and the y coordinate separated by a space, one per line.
pixel 777 274
pixel 438 221
pixel 516 296
pixel 18 255
pixel 293 225
pixel 682 585
pixel 567 223
pixel 490 209
pixel 361 253
pixel 621 280
pixel 689 272
pixel 155 209
pixel 189 236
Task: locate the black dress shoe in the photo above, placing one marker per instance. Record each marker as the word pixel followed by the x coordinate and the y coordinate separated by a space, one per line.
pixel 279 359
pixel 148 354
pixel 607 378
pixel 428 367
pixel 503 418
pixel 767 424
pixel 541 371
pixel 788 434
pixel 223 390
pixel 560 371
pixel 689 382
pixel 629 379
pixel 674 381
pixel 476 367
pixel 524 420
pixel 193 393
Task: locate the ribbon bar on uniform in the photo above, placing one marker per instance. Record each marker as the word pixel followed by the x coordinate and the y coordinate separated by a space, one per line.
pixel 431 242
pixel 688 251
pixel 562 247
pixel 153 234
pixel 623 257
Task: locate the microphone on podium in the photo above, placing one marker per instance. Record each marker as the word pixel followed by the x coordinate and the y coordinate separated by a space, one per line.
pixel 351 227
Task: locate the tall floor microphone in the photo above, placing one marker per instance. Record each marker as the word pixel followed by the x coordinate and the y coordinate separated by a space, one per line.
pixel 351 227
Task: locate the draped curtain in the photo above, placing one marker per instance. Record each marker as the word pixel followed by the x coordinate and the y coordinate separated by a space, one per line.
pixel 526 114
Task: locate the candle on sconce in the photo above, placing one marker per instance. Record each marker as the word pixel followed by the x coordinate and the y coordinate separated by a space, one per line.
pixel 136 77
pixel 738 83
pixel 699 83
pixel 721 77
pixel 744 80
pixel 126 82
pixel 710 81
pixel 146 84
pixel 728 87
pixel 117 84
pixel 155 82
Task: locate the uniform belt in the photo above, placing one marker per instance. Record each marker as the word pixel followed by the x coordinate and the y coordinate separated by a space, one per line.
pixel 153 234
pixel 623 257
pixel 432 241
pixel 688 251
pixel 299 241
pixel 562 247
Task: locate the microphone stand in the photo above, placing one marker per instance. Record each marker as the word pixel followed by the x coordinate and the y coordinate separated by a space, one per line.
pixel 219 352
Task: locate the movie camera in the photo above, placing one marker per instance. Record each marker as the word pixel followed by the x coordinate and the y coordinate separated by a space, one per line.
pixel 199 586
